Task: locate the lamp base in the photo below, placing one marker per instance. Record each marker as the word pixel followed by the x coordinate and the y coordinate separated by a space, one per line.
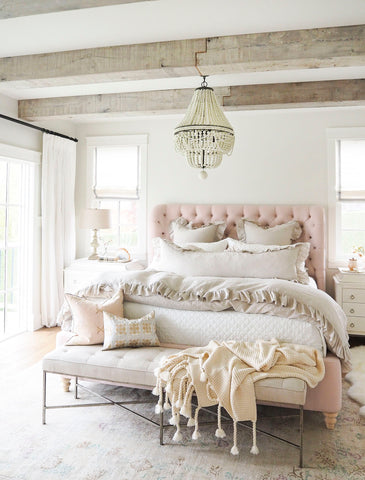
pixel 94 245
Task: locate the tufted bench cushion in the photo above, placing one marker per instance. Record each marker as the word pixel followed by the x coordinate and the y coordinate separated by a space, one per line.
pixel 135 367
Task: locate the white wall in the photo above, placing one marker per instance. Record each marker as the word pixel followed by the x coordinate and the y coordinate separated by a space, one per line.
pixel 279 158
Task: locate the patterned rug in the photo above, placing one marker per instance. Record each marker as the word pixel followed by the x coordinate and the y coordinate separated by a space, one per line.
pixel 110 444
pixel 357 377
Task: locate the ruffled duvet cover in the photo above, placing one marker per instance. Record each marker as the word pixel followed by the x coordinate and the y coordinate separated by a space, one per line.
pixel 275 297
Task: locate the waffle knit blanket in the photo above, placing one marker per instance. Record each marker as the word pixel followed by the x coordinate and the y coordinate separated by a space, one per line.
pixel 224 374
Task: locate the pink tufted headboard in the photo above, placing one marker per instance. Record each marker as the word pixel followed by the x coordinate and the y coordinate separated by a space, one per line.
pixel 311 218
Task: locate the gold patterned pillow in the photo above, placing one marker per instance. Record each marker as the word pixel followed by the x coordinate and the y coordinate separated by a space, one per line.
pixel 121 332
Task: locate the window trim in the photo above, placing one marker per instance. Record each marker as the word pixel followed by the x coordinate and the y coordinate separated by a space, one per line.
pixel 117 141
pixel 333 136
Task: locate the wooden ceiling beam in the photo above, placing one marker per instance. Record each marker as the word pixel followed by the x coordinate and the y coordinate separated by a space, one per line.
pixel 259 52
pixel 22 8
pixel 244 97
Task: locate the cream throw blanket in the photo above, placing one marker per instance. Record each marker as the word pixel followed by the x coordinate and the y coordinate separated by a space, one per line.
pixel 224 374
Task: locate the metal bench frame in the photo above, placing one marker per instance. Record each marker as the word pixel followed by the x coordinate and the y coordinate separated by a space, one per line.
pixel 160 423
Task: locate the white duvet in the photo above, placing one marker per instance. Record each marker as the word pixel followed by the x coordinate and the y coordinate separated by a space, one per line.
pixel 268 297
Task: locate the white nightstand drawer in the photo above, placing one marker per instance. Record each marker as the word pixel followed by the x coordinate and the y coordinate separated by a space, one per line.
pixel 354 309
pixel 356 325
pixel 353 295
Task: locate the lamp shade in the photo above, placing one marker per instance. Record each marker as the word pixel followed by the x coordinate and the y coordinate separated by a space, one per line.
pixel 96 218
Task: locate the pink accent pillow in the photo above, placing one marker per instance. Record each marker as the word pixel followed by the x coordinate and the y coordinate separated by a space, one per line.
pixel 87 318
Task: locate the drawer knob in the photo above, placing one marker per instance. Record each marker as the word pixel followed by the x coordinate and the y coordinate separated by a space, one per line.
pixel 352 297
pixel 352 325
pixel 352 310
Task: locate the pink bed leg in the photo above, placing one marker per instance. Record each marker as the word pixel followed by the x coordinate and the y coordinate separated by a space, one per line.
pixel 330 420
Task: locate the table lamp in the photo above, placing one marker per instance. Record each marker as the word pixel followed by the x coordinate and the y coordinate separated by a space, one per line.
pixel 95 219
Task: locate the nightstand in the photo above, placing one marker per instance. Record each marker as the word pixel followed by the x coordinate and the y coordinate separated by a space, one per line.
pixel 350 294
pixel 83 271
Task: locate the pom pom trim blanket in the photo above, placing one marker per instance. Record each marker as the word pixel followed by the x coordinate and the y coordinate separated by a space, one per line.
pixel 224 374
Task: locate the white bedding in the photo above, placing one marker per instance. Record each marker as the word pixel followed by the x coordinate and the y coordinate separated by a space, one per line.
pixel 280 305
pixel 196 328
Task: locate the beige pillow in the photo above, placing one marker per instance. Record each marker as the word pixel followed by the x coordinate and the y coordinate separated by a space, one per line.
pixel 182 232
pixel 284 234
pixel 253 261
pixel 87 318
pixel 121 332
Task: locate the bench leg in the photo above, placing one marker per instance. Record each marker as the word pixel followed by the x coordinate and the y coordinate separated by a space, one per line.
pixel 161 427
pixel 330 420
pixel 44 398
pixel 66 384
pixel 301 427
pixel 76 386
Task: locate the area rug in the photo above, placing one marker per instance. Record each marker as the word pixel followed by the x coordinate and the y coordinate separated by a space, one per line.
pixel 108 443
pixel 357 377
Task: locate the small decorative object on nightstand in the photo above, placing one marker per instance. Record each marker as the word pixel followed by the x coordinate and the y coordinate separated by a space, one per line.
pixel 350 294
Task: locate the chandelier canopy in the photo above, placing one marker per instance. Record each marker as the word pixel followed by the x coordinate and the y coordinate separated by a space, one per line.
pixel 204 134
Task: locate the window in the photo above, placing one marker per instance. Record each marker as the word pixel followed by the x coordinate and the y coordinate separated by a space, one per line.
pixel 118 182
pixel 346 193
pixel 17 262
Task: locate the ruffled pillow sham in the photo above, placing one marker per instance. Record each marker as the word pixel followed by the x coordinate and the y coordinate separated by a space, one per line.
pixel 284 234
pixel 253 261
pixel 183 232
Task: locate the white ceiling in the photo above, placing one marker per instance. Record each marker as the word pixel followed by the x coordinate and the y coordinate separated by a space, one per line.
pixel 163 20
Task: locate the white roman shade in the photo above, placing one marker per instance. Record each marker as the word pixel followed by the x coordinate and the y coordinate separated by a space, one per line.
pixel 351 165
pixel 116 176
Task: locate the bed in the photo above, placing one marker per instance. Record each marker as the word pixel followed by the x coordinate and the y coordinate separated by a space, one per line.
pixel 188 313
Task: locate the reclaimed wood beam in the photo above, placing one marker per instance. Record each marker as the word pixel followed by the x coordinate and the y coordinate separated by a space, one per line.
pixel 244 97
pixel 259 52
pixel 300 94
pixel 135 103
pixel 293 49
pixel 22 8
pixel 103 64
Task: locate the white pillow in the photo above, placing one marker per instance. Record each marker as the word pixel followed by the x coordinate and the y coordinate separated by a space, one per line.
pixel 219 246
pixel 284 234
pixel 182 232
pixel 284 262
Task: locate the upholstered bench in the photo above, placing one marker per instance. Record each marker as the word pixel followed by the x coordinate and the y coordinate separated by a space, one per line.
pixel 134 367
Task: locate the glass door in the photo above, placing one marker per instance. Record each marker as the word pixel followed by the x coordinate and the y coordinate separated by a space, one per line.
pixel 16 245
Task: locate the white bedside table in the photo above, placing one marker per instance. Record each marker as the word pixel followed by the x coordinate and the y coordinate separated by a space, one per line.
pixel 350 294
pixel 83 271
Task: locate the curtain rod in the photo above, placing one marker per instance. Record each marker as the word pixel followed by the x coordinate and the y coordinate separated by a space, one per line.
pixel 44 130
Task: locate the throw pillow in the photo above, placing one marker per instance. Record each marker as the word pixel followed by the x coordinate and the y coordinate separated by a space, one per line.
pixel 87 318
pixel 284 234
pixel 121 332
pixel 182 232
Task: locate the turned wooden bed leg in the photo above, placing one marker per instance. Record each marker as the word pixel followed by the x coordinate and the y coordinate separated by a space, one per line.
pixel 330 420
pixel 66 382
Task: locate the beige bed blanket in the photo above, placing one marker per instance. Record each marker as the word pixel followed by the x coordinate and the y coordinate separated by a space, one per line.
pixel 275 297
pixel 224 374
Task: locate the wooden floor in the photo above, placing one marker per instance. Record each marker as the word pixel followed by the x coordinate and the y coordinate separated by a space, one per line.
pixel 26 349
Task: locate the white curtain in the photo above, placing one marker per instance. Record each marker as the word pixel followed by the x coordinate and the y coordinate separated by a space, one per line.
pixel 58 221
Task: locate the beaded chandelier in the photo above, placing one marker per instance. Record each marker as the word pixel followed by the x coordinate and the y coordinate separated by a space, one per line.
pixel 204 134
